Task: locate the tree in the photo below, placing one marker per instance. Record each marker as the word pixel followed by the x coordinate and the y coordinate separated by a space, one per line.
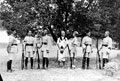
pixel 79 15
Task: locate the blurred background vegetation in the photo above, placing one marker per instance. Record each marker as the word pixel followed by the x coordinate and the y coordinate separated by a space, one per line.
pixel 55 15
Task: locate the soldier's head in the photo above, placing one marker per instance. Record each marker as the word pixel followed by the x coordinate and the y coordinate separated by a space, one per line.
pixel 75 33
pixel 68 32
pixel 88 33
pixel 107 33
pixel 63 33
pixel 45 32
pixel 13 31
pixel 29 33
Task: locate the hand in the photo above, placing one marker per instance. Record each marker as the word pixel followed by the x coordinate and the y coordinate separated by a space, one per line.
pixel 47 51
pixel 33 52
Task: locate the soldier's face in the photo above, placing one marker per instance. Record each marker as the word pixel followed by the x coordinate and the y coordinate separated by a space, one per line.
pixel 106 33
pixel 14 32
pixel 29 33
pixel 45 32
pixel 63 33
pixel 89 33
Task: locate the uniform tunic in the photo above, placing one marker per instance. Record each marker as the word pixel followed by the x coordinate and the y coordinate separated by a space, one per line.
pixel 13 47
pixel 29 46
pixel 106 46
pixel 62 43
pixel 38 44
pixel 87 45
pixel 45 46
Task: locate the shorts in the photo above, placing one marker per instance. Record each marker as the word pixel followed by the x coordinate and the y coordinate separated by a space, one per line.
pixel 45 51
pixel 29 51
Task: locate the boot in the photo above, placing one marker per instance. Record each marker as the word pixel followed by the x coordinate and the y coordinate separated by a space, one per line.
pixel 31 59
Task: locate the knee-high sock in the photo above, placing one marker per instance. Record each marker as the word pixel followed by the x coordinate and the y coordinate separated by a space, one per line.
pixel 71 62
pixel 31 59
pixel 26 61
pixel 58 63
pixel 47 62
pixel 43 62
pixel 88 60
pixel 38 63
pixel 63 63
pixel 105 60
pixel 83 62
pixel 8 65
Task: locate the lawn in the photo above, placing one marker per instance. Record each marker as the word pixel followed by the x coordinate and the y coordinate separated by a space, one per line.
pixel 53 73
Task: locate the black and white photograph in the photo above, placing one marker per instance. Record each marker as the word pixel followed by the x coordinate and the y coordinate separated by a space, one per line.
pixel 59 40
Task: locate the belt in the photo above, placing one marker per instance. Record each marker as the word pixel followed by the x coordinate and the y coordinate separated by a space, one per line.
pixel 14 44
pixel 105 45
pixel 88 44
pixel 29 44
pixel 45 43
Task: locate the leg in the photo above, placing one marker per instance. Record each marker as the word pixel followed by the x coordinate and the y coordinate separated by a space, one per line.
pixel 38 63
pixel 107 60
pixel 43 63
pixel 38 53
pixel 71 62
pixel 8 65
pixel 83 62
pixel 59 63
pixel 88 60
pixel 63 63
pixel 31 59
pixel 47 62
pixel 26 62
pixel 103 62
pixel 74 59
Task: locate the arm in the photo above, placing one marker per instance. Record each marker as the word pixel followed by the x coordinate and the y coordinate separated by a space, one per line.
pixel 110 44
pixel 83 43
pixel 58 43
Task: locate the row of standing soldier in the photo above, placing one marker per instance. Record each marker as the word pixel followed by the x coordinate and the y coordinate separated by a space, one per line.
pixel 41 46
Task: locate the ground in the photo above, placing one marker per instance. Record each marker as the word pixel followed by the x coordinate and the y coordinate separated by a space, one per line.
pixel 53 73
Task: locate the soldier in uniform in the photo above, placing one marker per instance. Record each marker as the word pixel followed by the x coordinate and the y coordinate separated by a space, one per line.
pixel 105 48
pixel 87 49
pixel 62 44
pixel 38 45
pixel 74 44
pixel 12 49
pixel 29 48
pixel 45 49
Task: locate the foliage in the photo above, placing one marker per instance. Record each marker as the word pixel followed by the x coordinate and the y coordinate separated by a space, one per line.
pixel 80 15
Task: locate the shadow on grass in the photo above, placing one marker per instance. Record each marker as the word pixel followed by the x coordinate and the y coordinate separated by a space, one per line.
pixel 53 63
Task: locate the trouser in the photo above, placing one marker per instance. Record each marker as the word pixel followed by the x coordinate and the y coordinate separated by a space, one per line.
pixel 105 60
pixel 9 65
pixel 84 61
pixel 45 62
pixel 26 62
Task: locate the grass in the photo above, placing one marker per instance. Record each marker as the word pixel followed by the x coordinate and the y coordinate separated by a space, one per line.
pixel 78 63
pixel 3 45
